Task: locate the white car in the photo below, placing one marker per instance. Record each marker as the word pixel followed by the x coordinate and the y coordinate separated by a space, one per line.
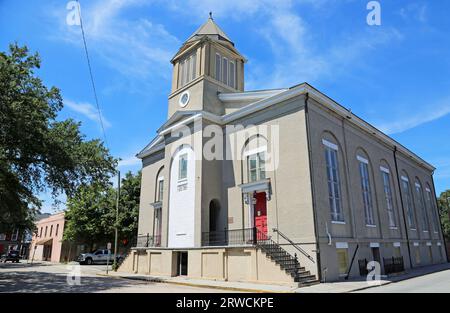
pixel 97 257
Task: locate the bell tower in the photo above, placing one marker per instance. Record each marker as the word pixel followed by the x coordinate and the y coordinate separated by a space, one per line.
pixel 206 64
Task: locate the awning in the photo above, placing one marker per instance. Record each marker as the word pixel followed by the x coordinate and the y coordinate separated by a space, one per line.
pixel 46 241
pixel 258 186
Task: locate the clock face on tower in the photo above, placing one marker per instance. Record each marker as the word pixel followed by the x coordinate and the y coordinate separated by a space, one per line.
pixel 184 99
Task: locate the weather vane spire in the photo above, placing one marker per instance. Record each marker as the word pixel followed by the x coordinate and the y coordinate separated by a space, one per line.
pixel 210 15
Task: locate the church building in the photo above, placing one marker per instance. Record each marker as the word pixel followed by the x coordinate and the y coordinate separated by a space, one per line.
pixel 282 186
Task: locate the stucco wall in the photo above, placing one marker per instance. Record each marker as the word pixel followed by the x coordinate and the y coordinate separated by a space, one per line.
pixel 229 264
pixel 290 206
pixel 53 236
pixel 152 167
pixel 351 142
pixel 182 201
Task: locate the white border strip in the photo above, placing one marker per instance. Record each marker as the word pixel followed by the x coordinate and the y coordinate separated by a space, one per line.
pixel 418 185
pixel 397 244
pixel 330 145
pixel 255 150
pixel 416 244
pixel 341 245
pixel 383 169
pixel 429 244
pixel 405 178
pixel 361 159
pixel 374 245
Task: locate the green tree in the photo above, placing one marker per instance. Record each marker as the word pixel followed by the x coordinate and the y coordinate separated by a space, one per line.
pixel 130 192
pixel 91 212
pixel 444 209
pixel 37 151
pixel 88 215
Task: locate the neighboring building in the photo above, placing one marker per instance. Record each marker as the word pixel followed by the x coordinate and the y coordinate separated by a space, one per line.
pixel 11 241
pixel 46 243
pixel 311 179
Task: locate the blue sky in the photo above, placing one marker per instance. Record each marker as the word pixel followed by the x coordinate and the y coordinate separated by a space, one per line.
pixel 396 75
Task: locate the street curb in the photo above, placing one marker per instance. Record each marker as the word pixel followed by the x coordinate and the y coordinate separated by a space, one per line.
pixel 157 280
pixel 399 280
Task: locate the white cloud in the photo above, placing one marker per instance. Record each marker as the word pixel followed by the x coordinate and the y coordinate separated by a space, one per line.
pixel 129 161
pixel 408 121
pixel 293 42
pixel 415 11
pixel 138 49
pixel 87 110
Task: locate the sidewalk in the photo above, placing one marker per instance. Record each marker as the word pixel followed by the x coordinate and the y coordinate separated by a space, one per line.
pixel 336 287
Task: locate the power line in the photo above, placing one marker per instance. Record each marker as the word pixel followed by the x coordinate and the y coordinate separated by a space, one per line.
pixel 91 75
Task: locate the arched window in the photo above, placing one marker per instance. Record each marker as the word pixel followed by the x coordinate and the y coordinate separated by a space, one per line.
pixel 431 206
pixel 408 201
pixel 423 209
pixel 363 163
pixel 331 149
pixel 159 185
pixel 255 156
pixel 388 194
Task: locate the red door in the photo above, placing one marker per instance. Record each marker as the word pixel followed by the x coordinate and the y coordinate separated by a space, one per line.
pixel 261 212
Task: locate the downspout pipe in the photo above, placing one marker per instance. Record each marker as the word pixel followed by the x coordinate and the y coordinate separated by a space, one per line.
pixel 311 174
pixel 439 217
pixel 403 206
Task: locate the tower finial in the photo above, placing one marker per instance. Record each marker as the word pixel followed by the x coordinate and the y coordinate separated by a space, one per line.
pixel 210 15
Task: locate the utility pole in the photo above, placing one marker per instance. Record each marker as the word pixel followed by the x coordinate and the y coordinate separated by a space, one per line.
pixel 117 221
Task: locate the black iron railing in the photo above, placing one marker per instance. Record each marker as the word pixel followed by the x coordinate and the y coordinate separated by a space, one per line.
pixel 252 236
pixel 393 265
pixel 145 241
pixel 296 246
pixel 229 237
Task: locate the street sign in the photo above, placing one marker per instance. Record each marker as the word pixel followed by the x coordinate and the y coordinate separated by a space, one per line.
pixel 108 246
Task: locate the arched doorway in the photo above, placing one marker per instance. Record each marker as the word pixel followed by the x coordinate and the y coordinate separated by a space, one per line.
pixel 214 213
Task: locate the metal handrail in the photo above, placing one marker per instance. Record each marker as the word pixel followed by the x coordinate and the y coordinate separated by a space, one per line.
pixel 147 241
pixel 294 245
pixel 226 237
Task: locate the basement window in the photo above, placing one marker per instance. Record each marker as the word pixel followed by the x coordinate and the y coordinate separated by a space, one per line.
pixel 342 261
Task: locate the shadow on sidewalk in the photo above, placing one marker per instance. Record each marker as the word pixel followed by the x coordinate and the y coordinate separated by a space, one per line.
pixel 44 282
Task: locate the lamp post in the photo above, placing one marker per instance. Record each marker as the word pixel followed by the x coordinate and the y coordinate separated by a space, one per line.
pixel 117 222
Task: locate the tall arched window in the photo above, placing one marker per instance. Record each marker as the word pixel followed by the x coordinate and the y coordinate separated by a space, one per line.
pixel 406 188
pixel 431 206
pixel 255 156
pixel 333 178
pixel 388 194
pixel 423 209
pixel 363 163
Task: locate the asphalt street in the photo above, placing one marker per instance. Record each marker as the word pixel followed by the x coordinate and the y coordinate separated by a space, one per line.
pixel 50 278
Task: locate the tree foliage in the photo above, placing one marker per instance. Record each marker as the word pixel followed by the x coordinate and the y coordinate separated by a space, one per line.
pixel 37 151
pixel 444 209
pixel 91 212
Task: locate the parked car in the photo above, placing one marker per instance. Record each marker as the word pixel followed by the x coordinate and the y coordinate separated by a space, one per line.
pixel 12 256
pixel 97 257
